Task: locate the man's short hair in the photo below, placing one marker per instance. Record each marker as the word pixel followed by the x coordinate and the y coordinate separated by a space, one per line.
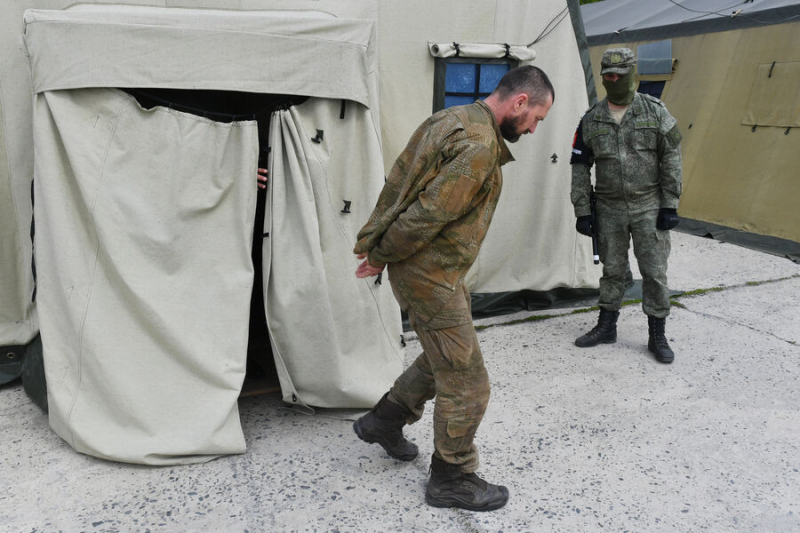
pixel 529 80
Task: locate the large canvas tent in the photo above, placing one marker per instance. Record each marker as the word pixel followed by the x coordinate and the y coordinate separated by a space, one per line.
pixel 732 82
pixel 144 214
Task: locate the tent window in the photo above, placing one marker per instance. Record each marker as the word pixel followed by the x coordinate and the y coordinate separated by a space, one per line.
pixel 460 81
pixel 775 98
pixel 654 58
pixel 653 88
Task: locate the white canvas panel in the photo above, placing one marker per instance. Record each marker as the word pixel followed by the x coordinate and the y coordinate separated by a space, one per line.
pixel 532 243
pixel 192 49
pixel 17 319
pixel 336 338
pixel 144 228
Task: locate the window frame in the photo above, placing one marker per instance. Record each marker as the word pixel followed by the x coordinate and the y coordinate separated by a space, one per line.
pixel 440 72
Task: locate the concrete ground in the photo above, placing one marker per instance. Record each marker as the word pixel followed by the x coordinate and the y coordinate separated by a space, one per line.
pixel 598 439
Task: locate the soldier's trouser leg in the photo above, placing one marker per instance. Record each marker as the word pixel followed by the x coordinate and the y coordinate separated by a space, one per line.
pixel 651 247
pixel 613 242
pixel 451 368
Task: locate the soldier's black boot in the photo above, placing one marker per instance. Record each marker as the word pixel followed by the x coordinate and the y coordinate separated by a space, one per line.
pixel 449 487
pixel 384 425
pixel 658 341
pixel 605 332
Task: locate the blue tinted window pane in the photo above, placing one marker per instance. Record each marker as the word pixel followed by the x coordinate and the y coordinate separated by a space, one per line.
pixel 460 78
pixel 450 101
pixel 490 76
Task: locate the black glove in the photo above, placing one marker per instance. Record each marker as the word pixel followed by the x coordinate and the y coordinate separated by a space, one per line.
pixel 584 225
pixel 667 218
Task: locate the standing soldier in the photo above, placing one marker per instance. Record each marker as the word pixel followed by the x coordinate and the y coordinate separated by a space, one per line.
pixel 635 143
pixel 428 226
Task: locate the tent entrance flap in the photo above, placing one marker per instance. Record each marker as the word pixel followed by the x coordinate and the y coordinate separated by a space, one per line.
pixel 144 231
pixel 336 338
pixel 229 106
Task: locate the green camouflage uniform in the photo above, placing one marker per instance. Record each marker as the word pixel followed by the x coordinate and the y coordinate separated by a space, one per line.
pixel 428 226
pixel 638 171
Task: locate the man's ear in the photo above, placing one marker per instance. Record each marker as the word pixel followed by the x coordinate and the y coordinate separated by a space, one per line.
pixel 520 101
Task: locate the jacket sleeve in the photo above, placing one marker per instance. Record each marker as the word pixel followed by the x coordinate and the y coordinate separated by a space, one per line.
pixel 581 162
pixel 445 198
pixel 669 161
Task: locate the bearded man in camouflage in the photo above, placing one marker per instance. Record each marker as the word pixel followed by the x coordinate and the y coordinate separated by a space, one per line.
pixel 428 226
pixel 635 144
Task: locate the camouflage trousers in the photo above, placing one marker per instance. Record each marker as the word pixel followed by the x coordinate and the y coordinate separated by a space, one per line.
pixel 451 369
pixel 651 246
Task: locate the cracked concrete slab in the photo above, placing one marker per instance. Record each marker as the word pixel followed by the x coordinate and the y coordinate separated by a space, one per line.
pixel 594 439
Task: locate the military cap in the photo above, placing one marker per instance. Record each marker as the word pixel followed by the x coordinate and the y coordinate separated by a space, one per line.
pixel 617 60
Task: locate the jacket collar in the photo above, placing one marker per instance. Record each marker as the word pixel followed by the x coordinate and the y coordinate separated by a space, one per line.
pixel 505 153
pixel 604 115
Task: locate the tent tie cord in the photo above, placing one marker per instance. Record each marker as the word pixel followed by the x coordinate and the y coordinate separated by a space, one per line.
pixel 265 235
pixel 787 130
pixel 318 138
pixel 379 279
pixel 346 206
pixel 458 49
pixel 403 341
pixel 770 69
pixel 508 50
pixel 33 251
pixel 341 112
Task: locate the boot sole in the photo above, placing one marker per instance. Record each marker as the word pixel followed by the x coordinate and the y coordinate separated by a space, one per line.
pixel 595 344
pixel 455 502
pixel 665 360
pixel 360 434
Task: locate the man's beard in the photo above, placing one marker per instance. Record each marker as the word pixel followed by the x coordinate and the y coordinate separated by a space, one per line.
pixel 508 129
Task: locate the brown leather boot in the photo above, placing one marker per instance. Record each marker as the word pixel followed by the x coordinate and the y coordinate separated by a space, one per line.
pixel 448 486
pixel 384 425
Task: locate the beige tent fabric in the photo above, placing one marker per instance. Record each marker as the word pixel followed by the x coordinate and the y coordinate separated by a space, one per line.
pixel 17 320
pixel 480 50
pixel 144 228
pixel 191 49
pixel 775 98
pixel 336 338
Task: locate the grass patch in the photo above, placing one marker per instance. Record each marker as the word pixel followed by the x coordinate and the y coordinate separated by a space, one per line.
pixel 673 301
pixel 700 292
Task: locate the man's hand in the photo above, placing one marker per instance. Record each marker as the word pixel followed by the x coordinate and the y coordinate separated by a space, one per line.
pixel 365 269
pixel 262 178
pixel 583 225
pixel 667 218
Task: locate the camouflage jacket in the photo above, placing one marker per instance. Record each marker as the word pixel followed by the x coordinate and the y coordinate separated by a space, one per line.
pixel 435 208
pixel 638 161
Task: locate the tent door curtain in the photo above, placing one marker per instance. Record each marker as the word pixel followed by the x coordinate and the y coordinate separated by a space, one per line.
pixel 335 338
pixel 144 231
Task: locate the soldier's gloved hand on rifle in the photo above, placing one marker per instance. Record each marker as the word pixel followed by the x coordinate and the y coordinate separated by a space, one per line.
pixel 584 225
pixel 667 218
